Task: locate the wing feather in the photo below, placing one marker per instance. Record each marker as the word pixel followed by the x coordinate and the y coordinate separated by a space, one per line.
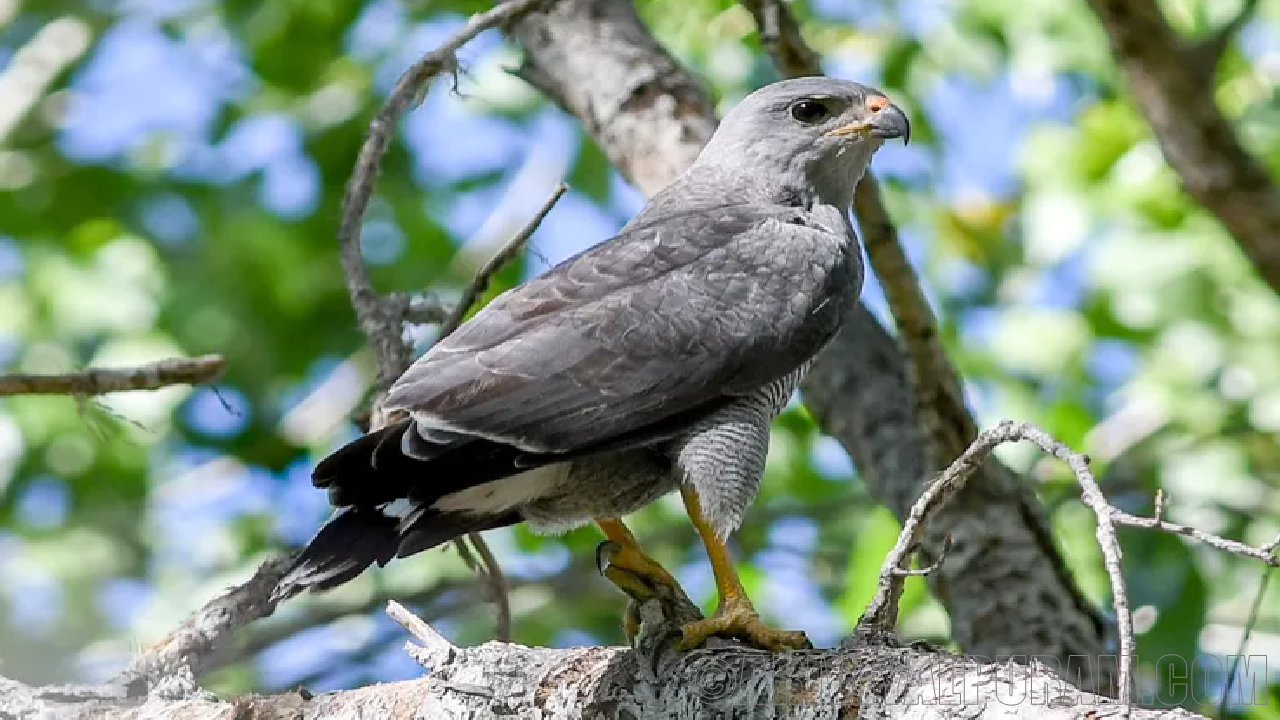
pixel 664 318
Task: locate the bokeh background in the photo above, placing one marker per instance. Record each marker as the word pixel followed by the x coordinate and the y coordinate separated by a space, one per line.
pixel 170 173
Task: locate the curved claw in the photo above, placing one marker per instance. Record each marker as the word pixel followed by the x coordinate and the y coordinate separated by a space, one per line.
pixel 743 624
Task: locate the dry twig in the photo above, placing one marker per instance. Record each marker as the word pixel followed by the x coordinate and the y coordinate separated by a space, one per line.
pixel 505 254
pixel 383 327
pixel 98 381
pixel 881 612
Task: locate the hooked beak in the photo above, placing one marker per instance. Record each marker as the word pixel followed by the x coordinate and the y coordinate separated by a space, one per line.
pixel 888 122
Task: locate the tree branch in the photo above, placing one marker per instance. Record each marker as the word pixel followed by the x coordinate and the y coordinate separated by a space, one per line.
pixel 881 614
pixel 1208 53
pixel 99 381
pixel 184 652
pixel 1171 88
pixel 494 680
pixel 781 39
pixel 505 254
pixel 380 324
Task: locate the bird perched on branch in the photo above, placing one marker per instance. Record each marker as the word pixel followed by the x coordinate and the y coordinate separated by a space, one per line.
pixel 650 363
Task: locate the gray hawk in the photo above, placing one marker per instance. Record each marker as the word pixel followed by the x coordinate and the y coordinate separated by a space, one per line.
pixel 652 362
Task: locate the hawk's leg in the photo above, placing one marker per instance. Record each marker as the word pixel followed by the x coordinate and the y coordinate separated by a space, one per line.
pixel 628 564
pixel 736 617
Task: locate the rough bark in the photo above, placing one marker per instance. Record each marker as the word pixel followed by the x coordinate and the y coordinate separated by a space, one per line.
pixel 502 680
pixel 1004 584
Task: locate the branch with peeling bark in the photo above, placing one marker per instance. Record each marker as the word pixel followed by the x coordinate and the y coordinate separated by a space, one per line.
pixel 99 381
pixel 865 679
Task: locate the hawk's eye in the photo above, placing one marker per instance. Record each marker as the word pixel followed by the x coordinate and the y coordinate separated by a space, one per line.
pixel 810 111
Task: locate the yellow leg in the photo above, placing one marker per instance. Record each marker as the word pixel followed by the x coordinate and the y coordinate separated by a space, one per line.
pixel 629 568
pixel 736 616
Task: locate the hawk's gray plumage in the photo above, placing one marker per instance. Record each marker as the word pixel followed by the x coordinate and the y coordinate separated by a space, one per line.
pixel 658 356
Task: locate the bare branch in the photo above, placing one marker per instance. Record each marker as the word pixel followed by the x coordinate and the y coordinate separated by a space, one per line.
pixel 1207 54
pixel 498 590
pixel 936 383
pixel 1197 140
pixel 1092 496
pixel 186 650
pixel 437 646
pixel 504 255
pixel 99 381
pixel 881 613
pixel 383 328
pixel 1265 553
pixel 780 36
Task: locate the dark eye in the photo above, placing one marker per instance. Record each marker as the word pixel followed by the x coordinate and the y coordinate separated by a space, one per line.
pixel 810 111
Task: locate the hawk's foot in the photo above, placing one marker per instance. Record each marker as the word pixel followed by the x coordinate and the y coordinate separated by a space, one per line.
pixel 642 579
pixel 635 566
pixel 738 619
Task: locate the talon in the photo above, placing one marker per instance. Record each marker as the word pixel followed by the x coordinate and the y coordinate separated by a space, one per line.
pixel 604 555
pixel 743 623
pixel 620 560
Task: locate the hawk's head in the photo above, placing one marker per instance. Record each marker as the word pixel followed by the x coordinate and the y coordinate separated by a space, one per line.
pixel 816 131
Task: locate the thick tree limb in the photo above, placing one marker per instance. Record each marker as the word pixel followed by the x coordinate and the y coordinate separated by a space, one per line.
pixel 878 679
pixel 99 381
pixel 650 117
pixel 1171 87
pixel 868 676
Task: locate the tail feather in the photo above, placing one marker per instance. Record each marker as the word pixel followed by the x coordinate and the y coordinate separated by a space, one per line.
pixel 350 542
pixel 373 474
pixel 431 528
